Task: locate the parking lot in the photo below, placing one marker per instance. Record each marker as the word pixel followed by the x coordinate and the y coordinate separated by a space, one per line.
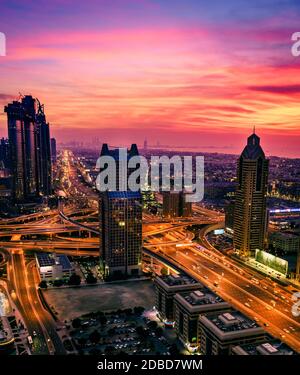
pixel 120 332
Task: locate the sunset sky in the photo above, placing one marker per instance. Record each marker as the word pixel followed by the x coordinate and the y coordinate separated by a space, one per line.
pixel 184 72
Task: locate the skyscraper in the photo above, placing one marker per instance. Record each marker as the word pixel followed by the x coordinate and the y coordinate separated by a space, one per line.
pixel 120 223
pixel 121 232
pixel 43 152
pixel 53 149
pixel 29 144
pixel 250 199
pixel 121 157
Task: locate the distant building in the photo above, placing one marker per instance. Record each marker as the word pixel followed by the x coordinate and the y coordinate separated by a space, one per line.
pixel 53 149
pixel 188 307
pixel 165 289
pixel 284 241
pixel 219 332
pixel 4 153
pixel 145 145
pixel 270 346
pixel 53 266
pixel 218 189
pixel 5 186
pixel 250 221
pixel 176 205
pixel 29 148
pixel 121 232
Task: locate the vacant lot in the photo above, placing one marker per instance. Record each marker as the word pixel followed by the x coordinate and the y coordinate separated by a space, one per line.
pixel 73 302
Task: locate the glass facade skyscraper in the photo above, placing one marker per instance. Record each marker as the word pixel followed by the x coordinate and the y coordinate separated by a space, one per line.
pixel 121 232
pixel 120 224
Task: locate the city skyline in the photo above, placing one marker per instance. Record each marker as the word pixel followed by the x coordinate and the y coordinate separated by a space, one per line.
pixel 149 184
pixel 204 73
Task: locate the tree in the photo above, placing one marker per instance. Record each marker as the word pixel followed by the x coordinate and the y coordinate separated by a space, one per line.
pixel 128 312
pixel 111 331
pixel 141 332
pixel 164 271
pixel 109 349
pixel 95 351
pixel 158 331
pixel 102 319
pixel 174 350
pixel 74 279
pixel 82 341
pixel 43 284
pixel 138 310
pixel 91 279
pixel 152 324
pixel 76 323
pixel 95 337
pixel 58 282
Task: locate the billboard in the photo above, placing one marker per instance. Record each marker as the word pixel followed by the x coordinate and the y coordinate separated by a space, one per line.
pixel 269 260
pixel 219 231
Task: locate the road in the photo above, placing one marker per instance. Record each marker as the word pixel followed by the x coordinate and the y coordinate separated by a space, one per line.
pixel 21 294
pixel 236 286
pixel 48 323
pixel 258 297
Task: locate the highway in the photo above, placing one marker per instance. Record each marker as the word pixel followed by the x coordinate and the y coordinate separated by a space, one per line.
pixel 47 321
pixel 20 291
pixel 238 287
pixel 259 297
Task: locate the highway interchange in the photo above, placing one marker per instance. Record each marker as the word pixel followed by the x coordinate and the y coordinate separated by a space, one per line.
pixel 259 297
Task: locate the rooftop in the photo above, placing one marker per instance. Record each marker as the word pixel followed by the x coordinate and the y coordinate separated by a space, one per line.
pixel 114 152
pixel 231 321
pixel 178 279
pixel 203 296
pixel 46 260
pixel 286 235
pixel 253 149
pixel 270 347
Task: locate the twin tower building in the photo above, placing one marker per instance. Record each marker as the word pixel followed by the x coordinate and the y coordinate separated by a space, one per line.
pixel 29 149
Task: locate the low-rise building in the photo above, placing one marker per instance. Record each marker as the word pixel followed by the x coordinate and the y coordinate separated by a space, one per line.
pixel 219 332
pixel 188 307
pixel 165 289
pixel 53 266
pixel 284 241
